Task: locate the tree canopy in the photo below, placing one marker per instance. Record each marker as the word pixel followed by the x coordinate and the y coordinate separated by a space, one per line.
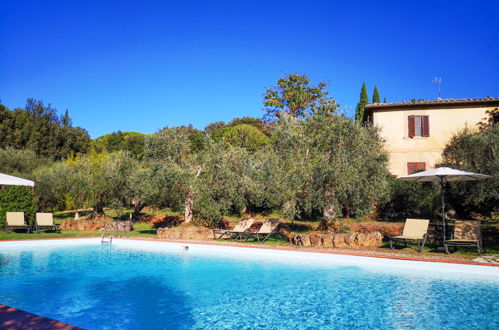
pixel 39 128
pixel 294 96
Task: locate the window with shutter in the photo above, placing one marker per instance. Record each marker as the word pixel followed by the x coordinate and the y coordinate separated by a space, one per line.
pixel 418 126
pixel 413 167
pixel 411 126
pixel 425 125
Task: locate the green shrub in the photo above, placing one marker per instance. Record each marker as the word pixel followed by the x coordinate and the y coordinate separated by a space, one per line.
pixel 411 200
pixel 17 199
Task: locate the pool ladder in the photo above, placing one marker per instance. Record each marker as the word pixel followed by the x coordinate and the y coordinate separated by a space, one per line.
pixel 113 229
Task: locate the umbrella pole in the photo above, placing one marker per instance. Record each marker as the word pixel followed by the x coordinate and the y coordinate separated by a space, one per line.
pixel 443 207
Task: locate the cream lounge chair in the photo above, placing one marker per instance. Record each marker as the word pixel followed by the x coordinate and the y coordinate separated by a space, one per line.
pixel 15 220
pixel 415 230
pixel 241 227
pixel 268 228
pixel 45 221
pixel 466 233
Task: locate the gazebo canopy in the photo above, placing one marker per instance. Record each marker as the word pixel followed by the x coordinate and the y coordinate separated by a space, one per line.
pixel 9 180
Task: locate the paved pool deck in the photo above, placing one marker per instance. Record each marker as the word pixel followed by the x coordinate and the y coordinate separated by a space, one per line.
pixel 12 318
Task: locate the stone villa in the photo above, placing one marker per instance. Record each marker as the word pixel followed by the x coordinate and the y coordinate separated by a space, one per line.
pixel 416 132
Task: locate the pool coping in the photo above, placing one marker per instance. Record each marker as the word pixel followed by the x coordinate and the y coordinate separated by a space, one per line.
pixel 278 248
pixel 13 318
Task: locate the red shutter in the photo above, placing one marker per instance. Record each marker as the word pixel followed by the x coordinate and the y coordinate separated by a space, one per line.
pixel 426 126
pixel 411 126
pixel 410 168
pixel 413 167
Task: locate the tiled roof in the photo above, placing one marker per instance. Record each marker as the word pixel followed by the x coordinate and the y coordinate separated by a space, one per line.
pixel 438 102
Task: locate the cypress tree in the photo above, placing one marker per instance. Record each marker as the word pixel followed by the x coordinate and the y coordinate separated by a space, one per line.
pixel 376 98
pixel 384 100
pixel 364 99
pixel 66 121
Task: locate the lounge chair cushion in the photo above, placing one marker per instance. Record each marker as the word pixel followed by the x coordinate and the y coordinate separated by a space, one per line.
pixel 15 219
pixel 468 230
pixel 241 227
pixel 268 226
pixel 44 219
pixel 407 237
pixel 463 240
pixel 415 228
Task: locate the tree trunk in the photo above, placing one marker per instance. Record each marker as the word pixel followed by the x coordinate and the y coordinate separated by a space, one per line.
pixel 189 205
pixel 138 205
pixel 329 213
pixel 98 211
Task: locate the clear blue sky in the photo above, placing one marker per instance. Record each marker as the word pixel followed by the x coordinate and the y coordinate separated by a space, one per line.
pixel 143 65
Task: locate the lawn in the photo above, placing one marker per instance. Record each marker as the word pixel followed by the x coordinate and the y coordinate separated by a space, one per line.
pixel 146 230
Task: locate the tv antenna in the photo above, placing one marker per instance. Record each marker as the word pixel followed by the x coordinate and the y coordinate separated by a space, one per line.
pixel 437 81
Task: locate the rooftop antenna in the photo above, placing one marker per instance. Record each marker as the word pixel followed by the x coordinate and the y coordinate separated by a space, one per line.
pixel 437 81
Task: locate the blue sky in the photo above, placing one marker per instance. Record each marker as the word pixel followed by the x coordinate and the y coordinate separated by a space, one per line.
pixel 143 65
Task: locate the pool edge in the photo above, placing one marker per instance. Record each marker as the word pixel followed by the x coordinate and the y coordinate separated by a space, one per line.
pixel 275 248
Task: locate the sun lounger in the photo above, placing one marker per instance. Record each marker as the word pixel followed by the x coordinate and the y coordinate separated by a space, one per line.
pixel 415 230
pixel 268 228
pixel 466 233
pixel 45 221
pixel 241 227
pixel 15 220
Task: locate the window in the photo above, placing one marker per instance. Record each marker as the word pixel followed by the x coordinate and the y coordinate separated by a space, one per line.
pixel 419 126
pixel 414 167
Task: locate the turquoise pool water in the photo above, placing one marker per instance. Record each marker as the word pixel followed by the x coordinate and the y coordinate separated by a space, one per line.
pixel 121 287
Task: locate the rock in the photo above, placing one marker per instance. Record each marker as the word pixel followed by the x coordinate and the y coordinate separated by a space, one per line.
pixel 305 240
pixel 362 239
pixel 315 240
pixel 192 232
pixel 339 241
pixel 93 225
pixel 351 240
pixel 327 240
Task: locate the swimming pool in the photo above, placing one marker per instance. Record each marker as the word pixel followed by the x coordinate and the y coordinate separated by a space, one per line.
pixel 156 285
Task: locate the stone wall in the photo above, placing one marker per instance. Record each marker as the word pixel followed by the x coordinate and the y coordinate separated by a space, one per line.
pixel 91 225
pixel 373 239
pixel 182 232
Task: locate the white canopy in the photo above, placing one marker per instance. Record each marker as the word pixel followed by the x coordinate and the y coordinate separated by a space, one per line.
pixel 9 180
pixel 439 173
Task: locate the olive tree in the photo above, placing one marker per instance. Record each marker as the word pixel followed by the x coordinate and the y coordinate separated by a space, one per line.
pixel 474 151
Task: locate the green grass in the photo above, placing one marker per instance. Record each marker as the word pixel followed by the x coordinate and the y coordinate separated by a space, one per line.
pixel 298 227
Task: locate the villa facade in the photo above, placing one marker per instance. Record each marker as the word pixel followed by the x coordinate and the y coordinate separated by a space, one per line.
pixel 417 132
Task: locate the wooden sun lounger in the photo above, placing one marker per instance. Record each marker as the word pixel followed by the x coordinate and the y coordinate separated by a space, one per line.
pixel 15 220
pixel 241 227
pixel 268 228
pixel 466 233
pixel 415 230
pixel 45 221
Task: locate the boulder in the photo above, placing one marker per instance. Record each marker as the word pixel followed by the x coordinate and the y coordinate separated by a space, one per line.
pixel 315 240
pixel 327 240
pixel 351 240
pixel 339 241
pixel 192 232
pixel 93 225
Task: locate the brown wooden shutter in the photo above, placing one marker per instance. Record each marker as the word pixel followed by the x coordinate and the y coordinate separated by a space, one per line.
pixel 411 126
pixel 425 122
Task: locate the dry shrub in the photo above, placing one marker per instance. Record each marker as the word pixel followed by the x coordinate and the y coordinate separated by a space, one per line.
pixel 386 229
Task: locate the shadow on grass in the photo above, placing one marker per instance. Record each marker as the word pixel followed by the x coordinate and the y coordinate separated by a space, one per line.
pixel 298 227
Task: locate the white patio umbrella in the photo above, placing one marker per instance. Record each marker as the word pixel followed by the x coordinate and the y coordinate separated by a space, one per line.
pixel 443 175
pixel 9 180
